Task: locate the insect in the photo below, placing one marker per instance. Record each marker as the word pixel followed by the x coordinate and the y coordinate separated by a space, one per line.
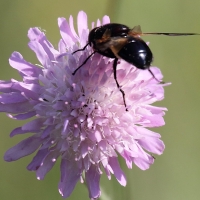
pixel 118 41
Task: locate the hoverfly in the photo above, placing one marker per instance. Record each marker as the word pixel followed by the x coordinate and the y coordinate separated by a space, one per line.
pixel 118 41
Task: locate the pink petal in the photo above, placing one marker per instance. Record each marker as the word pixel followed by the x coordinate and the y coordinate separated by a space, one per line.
pixel 39 51
pixel 23 116
pixel 95 136
pixel 65 32
pixel 105 20
pixel 34 125
pixel 12 97
pixel 47 131
pixel 143 163
pixel 98 23
pixel 6 86
pixel 153 145
pixel 92 178
pixel 17 62
pixel 31 91
pixel 16 108
pixel 119 174
pixel 70 174
pixel 17 131
pixel 23 148
pixel 82 22
pixel 47 164
pixel 37 160
pixel 36 35
pixel 71 24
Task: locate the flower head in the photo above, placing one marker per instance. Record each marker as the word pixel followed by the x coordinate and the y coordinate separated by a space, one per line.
pixel 81 118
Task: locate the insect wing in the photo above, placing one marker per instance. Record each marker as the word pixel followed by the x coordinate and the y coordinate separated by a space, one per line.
pixel 171 34
pixel 135 31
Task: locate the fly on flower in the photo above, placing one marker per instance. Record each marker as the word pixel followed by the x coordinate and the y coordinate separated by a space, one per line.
pixel 81 119
pixel 118 41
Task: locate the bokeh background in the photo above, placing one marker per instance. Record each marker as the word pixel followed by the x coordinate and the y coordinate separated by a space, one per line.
pixel 176 174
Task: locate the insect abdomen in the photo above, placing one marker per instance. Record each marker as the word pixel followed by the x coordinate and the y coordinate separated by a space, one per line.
pixel 137 53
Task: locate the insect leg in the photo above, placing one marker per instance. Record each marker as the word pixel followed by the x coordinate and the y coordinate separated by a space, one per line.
pixel 83 63
pixel 154 76
pixel 81 49
pixel 115 77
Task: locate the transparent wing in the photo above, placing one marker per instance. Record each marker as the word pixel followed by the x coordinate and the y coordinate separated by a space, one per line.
pixel 137 31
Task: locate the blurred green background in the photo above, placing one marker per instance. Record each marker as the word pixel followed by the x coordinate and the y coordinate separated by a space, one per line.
pixel 176 174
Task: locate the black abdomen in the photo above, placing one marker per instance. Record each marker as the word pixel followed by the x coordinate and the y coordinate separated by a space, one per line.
pixel 137 52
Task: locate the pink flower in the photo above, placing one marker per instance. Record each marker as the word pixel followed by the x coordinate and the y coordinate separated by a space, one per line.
pixel 81 118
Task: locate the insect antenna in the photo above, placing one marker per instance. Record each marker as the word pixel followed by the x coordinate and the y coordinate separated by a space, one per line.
pixel 83 62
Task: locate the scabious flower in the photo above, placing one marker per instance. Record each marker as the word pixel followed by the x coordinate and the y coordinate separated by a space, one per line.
pixel 81 118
